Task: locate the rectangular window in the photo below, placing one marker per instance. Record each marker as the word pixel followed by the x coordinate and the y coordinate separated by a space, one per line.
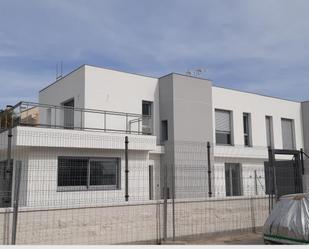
pixel 147 117
pixel 247 129
pixel 269 131
pixel 288 138
pixel 68 114
pixel 146 108
pixel 233 184
pixel 88 174
pixel 150 182
pixel 223 127
pixel 164 130
pixel 103 172
pixel 72 172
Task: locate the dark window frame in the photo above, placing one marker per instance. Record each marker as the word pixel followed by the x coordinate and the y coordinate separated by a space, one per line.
pixel 247 129
pixel 150 106
pixel 164 135
pixel 147 117
pixel 269 136
pixel 88 186
pixel 230 189
pixel 228 136
pixel 68 113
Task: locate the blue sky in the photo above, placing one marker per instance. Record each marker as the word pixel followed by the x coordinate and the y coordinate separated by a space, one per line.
pixel 259 46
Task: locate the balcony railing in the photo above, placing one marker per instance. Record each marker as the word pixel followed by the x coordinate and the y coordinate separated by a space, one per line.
pixel 64 117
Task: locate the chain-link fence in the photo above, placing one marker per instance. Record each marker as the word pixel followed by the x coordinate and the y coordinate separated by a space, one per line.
pixel 100 193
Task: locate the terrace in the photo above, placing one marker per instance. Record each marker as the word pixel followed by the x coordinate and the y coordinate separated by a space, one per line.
pixel 71 118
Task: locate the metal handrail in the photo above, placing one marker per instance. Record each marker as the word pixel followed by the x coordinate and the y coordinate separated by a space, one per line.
pixel 79 109
pixel 16 112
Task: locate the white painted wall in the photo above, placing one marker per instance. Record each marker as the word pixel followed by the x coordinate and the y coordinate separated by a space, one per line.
pixel 259 106
pixel 42 178
pixel 68 87
pixel 120 92
pixel 104 89
pixel 248 166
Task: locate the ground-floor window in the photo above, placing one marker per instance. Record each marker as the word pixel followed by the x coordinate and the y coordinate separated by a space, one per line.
pixel 233 184
pixel 78 173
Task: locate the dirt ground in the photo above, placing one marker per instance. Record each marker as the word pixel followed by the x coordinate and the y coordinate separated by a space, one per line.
pixel 234 238
pixel 247 238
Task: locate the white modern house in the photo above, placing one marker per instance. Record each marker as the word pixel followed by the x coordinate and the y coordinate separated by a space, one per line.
pixel 71 144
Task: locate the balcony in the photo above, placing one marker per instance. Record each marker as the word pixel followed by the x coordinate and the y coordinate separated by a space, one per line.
pixel 72 118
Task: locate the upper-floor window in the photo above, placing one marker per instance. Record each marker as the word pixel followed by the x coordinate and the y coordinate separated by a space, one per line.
pixel 269 131
pixel 146 108
pixel 68 114
pixel 164 130
pixel 223 127
pixel 247 129
pixel 288 136
pixel 147 117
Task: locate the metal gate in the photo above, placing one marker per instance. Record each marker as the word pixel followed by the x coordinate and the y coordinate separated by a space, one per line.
pixel 283 176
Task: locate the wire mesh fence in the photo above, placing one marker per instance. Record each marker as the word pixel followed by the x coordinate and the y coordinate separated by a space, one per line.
pixel 90 194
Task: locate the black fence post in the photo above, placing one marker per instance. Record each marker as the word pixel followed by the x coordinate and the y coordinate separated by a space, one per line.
pixel 126 169
pixel 209 170
pixel 165 204
pixel 302 161
pixel 270 180
pixel 173 199
pixel 8 167
pixel 16 199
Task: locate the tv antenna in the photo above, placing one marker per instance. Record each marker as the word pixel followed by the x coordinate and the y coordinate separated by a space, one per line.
pixel 195 72
pixel 59 66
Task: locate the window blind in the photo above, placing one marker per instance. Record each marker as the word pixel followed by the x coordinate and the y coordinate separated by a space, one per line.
pixel 223 122
pixel 287 134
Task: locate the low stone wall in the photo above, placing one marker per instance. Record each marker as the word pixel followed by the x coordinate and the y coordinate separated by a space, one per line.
pixel 124 223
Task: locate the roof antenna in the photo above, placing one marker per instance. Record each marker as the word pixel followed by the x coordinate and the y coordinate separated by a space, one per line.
pixel 59 76
pixel 195 72
pixel 56 70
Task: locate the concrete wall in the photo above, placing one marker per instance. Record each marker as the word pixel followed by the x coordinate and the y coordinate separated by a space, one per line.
pixel 112 224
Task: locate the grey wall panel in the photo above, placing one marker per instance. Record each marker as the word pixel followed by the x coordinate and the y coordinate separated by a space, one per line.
pixel 186 102
pixel 192 98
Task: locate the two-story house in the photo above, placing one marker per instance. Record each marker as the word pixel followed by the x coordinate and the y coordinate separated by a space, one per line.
pixel 71 144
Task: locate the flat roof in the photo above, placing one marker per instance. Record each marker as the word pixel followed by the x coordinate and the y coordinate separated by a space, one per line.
pixel 259 94
pixel 142 75
pixel 83 65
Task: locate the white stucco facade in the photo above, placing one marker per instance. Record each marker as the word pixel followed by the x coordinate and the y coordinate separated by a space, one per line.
pixel 108 90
